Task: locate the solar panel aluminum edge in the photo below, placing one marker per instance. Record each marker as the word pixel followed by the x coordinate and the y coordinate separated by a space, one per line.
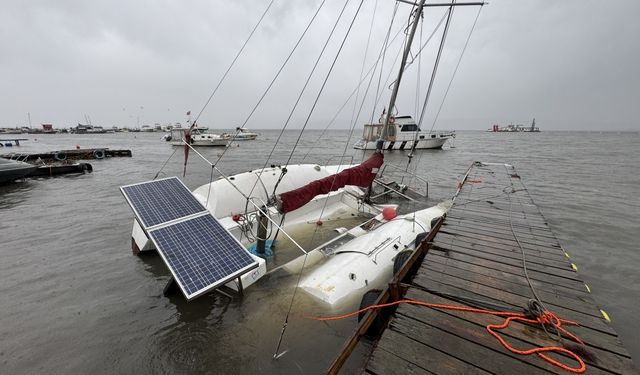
pixel 160 201
pixel 201 254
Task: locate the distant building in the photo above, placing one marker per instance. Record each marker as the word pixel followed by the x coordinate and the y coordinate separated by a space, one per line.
pixel 47 128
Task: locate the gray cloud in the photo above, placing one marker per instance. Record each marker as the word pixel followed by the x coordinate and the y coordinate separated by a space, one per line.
pixel 571 64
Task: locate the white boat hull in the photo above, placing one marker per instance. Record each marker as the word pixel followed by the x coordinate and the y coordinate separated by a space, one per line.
pixel 422 144
pixel 224 201
pixel 366 262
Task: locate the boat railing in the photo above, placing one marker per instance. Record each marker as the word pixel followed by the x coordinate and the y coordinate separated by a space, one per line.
pixel 404 175
pixel 19 157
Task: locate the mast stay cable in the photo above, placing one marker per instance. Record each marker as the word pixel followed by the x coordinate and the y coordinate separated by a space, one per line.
pixel 255 27
pixel 286 321
pixel 455 70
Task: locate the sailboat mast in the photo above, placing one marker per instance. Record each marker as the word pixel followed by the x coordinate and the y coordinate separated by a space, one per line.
pixel 396 87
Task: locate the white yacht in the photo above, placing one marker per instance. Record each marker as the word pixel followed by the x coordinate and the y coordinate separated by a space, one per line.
pixel 199 137
pixel 402 134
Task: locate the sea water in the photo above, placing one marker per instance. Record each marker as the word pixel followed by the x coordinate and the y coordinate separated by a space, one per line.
pixel 74 299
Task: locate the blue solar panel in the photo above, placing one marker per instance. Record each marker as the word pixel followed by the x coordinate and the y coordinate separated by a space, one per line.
pixel 201 254
pixel 159 201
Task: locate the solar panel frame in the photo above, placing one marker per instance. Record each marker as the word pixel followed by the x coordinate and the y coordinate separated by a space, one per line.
pixel 160 201
pixel 194 260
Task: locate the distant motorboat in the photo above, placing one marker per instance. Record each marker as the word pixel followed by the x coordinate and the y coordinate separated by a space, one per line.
pixel 403 134
pixel 11 170
pixel 199 137
pixel 242 134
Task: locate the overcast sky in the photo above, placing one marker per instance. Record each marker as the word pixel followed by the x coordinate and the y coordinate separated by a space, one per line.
pixel 573 65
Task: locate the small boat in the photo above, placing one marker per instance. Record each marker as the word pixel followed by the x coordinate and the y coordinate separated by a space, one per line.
pixel 242 134
pixel 199 137
pixel 403 134
pixel 11 170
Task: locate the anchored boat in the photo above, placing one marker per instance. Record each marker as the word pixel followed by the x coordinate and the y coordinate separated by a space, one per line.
pixel 241 134
pixel 403 134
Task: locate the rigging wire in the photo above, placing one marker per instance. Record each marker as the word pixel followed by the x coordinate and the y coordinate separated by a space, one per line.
pixel 295 106
pixel 433 76
pixel 364 59
pixel 407 65
pixel 370 73
pixel 384 48
pixel 435 67
pixel 255 27
pixel 419 66
pixel 286 321
pixel 541 308
pixel 234 61
pixel 324 83
pixel 455 70
pixel 266 91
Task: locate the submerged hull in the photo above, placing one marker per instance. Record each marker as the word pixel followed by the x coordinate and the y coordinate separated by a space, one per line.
pixel 11 170
pixel 227 204
pixel 366 262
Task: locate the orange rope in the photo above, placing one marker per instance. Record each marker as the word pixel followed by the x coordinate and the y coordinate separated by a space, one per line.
pixel 547 317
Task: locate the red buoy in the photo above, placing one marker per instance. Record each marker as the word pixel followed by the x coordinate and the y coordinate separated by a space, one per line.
pixel 389 213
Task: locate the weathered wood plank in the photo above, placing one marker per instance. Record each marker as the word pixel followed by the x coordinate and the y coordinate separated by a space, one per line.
pixel 467 343
pixel 531 219
pixel 509 268
pixel 520 230
pixel 583 305
pixel 616 362
pixel 501 249
pixel 414 357
pixel 548 287
pixel 476 216
pixel 567 273
pixel 506 234
pixel 496 237
pixel 452 286
pixel 490 220
pixel 476 257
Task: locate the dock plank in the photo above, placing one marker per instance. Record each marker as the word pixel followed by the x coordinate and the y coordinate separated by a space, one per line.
pixel 617 361
pixel 475 259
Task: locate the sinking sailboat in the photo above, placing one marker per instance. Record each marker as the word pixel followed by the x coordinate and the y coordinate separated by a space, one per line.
pixel 219 234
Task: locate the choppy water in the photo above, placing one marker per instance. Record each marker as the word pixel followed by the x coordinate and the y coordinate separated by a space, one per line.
pixel 73 299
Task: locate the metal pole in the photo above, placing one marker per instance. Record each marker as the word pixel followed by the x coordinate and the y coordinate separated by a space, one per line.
pixel 262 231
pixel 394 94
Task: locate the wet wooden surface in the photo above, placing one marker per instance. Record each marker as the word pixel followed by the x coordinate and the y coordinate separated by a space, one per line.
pixel 477 259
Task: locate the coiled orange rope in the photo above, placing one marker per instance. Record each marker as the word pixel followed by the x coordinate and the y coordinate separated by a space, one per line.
pixel 546 317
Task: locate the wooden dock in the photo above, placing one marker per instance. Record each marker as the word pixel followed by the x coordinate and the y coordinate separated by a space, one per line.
pixel 475 259
pixel 62 155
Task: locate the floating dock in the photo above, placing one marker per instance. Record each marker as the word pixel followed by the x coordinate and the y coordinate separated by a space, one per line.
pixel 62 155
pixel 493 251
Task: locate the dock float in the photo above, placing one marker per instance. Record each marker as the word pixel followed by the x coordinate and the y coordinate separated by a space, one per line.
pixel 494 251
pixel 62 155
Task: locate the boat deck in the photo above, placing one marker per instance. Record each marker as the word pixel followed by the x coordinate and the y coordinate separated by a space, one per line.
pixel 476 260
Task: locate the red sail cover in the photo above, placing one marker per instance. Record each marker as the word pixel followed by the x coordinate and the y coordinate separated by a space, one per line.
pixel 361 175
